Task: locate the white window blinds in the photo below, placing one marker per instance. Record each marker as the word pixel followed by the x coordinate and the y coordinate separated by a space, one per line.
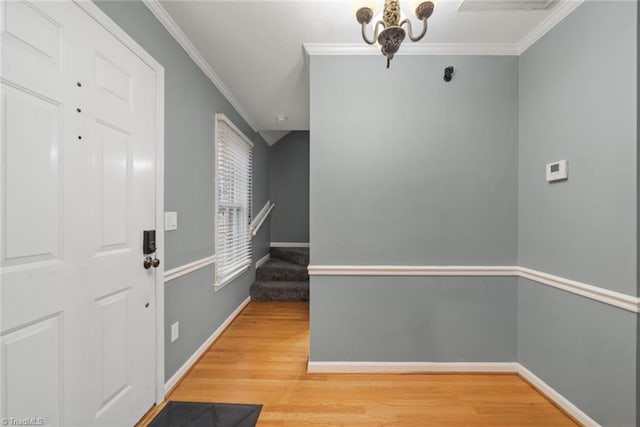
pixel 233 200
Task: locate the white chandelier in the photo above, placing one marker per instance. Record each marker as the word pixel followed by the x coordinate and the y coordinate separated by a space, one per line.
pixel 392 33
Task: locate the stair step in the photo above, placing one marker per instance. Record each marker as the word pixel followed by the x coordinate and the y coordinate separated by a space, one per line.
pixel 280 291
pixel 280 270
pixel 298 256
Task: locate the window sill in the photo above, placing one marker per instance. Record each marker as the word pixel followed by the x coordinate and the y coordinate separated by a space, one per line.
pixel 224 282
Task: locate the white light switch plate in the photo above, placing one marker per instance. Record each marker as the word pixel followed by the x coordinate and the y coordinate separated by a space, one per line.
pixel 175 331
pixel 170 221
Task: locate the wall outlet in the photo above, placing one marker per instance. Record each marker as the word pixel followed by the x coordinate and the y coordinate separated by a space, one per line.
pixel 175 331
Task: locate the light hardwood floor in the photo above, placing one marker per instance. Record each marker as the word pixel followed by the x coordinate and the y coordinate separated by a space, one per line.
pixel 262 358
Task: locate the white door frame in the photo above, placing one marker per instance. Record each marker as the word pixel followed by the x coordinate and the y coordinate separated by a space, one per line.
pixel 99 16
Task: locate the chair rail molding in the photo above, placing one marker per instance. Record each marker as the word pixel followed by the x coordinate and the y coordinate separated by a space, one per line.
pixel 182 270
pixel 616 299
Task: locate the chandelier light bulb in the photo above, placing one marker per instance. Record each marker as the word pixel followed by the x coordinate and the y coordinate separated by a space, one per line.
pixel 371 4
pixel 413 4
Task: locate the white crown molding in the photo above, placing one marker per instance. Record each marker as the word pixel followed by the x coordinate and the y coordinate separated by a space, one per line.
pixel 174 273
pixel 175 379
pixel 289 244
pixel 616 299
pixel 167 21
pixel 338 49
pixel 559 12
pixel 455 367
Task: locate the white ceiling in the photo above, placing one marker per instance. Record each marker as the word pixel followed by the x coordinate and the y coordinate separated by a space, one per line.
pixel 253 50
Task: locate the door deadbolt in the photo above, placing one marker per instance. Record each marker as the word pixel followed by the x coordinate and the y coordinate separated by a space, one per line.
pixel 150 262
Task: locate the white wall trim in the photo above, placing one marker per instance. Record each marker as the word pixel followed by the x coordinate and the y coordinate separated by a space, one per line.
pixel 556 397
pixel 175 379
pixel 409 367
pixel 339 49
pixel 289 244
pixel 232 276
pixel 433 367
pixel 167 21
pixel 617 299
pixel 560 11
pixel 174 273
pixel 107 23
pixel 262 260
pixel 410 270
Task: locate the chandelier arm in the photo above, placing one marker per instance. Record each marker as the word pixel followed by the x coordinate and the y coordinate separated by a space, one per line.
pixel 375 32
pixel 364 35
pixel 410 29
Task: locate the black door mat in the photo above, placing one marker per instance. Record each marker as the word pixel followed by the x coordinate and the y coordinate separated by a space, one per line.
pixel 197 414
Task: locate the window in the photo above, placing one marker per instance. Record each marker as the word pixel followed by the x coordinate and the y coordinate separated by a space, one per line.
pixel 233 201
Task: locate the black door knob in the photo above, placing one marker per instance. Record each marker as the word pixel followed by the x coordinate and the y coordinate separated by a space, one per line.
pixel 155 262
pixel 147 263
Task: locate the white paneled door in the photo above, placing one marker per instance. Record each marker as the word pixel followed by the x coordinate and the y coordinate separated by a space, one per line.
pixel 78 112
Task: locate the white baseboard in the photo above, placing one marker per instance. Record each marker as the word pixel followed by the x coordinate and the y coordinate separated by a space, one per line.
pixel 289 244
pixel 556 397
pixel 262 260
pixel 409 367
pixel 433 367
pixel 175 379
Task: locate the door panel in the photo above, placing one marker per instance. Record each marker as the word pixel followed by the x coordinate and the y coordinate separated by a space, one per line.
pixel 78 160
pixel 33 382
pixel 111 79
pixel 32 196
pixel 114 377
pixel 114 182
pixel 38 31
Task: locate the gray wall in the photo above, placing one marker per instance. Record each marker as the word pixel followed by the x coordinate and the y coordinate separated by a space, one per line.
pixel 413 319
pixel 190 101
pixel 413 175
pixel 453 174
pixel 289 168
pixel 408 173
pixel 584 349
pixel 578 102
pixel 261 190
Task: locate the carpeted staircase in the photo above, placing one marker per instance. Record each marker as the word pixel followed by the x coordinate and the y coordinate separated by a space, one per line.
pixel 284 277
